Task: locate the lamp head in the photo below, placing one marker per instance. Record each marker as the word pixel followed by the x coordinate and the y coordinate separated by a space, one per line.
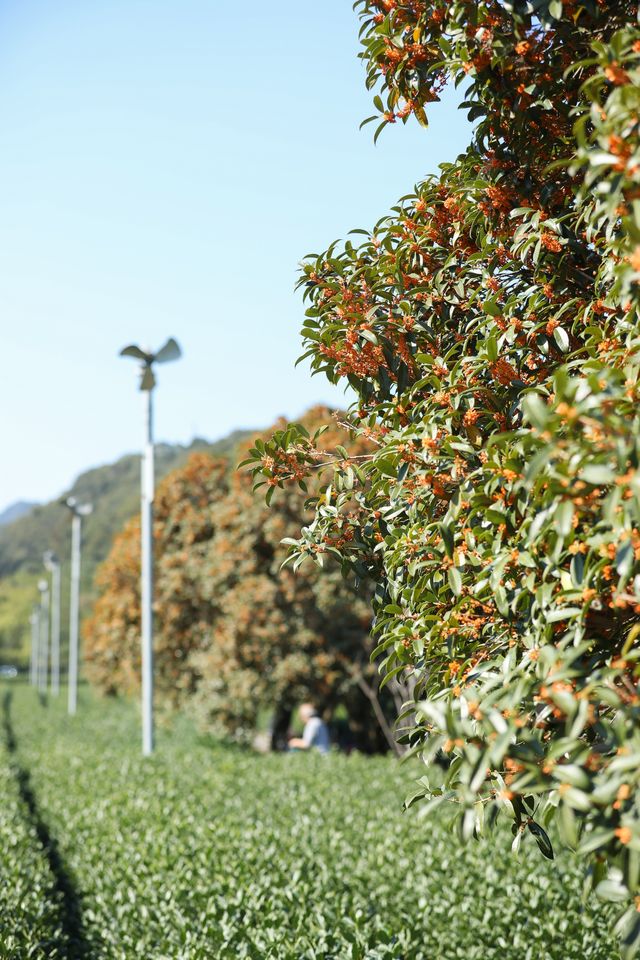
pixel 50 560
pixel 77 509
pixel 170 351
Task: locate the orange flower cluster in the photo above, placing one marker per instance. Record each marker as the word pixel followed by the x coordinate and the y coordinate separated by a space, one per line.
pixel 363 360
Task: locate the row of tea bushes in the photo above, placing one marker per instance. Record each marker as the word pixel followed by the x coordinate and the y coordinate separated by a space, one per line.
pixel 31 919
pixel 208 852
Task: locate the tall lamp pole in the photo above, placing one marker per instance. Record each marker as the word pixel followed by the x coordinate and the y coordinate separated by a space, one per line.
pixel 78 511
pixel 52 564
pixel 43 639
pixel 170 351
pixel 34 620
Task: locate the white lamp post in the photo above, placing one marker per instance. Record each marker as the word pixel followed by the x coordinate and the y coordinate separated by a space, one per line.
pixel 170 351
pixel 34 620
pixel 78 511
pixel 52 564
pixel 43 639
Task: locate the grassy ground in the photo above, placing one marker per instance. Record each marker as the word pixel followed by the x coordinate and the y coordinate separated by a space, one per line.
pixel 205 852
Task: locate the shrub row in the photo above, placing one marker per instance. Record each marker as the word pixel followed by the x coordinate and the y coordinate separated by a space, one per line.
pixel 31 920
pixel 207 852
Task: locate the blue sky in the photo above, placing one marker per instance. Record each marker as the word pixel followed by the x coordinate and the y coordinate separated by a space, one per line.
pixel 164 166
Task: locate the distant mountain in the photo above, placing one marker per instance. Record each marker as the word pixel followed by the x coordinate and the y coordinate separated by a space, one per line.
pixel 15 510
pixel 114 491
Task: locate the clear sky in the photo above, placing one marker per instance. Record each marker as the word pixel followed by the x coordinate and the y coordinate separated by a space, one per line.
pixel 164 166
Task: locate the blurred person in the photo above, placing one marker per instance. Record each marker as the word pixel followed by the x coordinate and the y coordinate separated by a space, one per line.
pixel 315 735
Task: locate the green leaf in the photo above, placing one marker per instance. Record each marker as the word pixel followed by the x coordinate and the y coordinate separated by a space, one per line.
pixel 455 580
pixel 595 841
pixel 563 517
pixel 563 613
pixel 536 410
pixel 491 346
pixel 597 474
pixel 447 538
pixel 572 773
pixel 576 799
pixel 568 826
pixel 542 839
pixel 612 890
pixel 561 338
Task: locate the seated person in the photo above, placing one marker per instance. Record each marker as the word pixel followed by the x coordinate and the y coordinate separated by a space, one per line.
pixel 315 735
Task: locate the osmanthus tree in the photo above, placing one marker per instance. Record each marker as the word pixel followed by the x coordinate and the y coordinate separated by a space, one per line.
pixel 184 606
pixel 490 329
pixel 237 636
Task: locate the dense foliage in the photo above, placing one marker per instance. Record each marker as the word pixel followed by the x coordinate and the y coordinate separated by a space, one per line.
pixel 235 634
pixel 204 852
pixel 490 329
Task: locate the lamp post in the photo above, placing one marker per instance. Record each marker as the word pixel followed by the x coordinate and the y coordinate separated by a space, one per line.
pixel 52 564
pixel 34 620
pixel 43 638
pixel 78 511
pixel 170 351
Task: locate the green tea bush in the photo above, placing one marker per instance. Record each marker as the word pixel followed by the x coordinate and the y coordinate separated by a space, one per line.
pixel 207 852
pixel 30 916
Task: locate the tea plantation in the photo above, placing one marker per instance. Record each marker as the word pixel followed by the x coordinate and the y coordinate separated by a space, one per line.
pixel 211 852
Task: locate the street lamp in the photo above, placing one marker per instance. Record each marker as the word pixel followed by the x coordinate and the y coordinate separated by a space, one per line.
pixel 43 639
pixel 52 564
pixel 78 511
pixel 170 351
pixel 34 620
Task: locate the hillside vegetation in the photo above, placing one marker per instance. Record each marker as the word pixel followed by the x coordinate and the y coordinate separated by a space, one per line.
pixel 114 490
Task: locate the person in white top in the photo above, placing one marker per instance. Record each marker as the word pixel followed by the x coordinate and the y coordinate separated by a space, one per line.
pixel 315 735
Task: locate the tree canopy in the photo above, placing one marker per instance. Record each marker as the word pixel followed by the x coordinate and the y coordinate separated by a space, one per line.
pixel 489 326
pixel 235 635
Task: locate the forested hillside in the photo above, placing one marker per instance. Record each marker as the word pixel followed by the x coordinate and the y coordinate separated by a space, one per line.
pixel 113 489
